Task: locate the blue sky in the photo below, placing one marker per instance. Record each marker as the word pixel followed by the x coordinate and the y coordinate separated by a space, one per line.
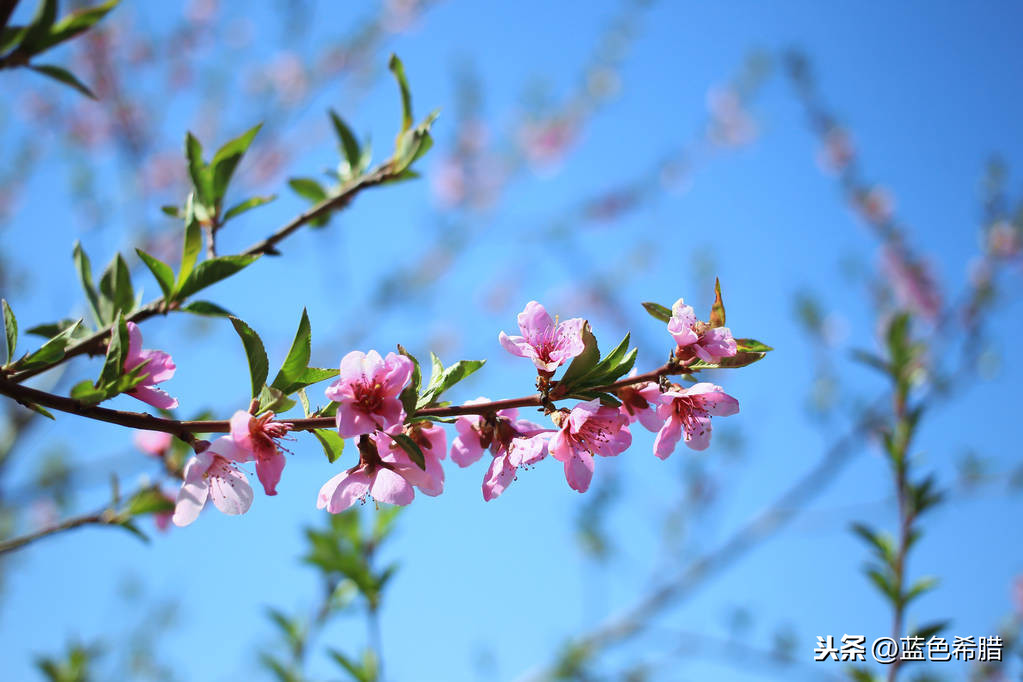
pixel 928 91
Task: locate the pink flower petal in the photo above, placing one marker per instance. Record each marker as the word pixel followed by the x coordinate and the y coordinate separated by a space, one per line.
pixel 230 491
pixel 269 472
pixel 579 471
pixel 350 487
pixel 154 396
pixel 667 438
pixel 499 477
pixel 391 488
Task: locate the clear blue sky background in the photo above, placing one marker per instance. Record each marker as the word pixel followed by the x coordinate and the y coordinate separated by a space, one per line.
pixel 487 590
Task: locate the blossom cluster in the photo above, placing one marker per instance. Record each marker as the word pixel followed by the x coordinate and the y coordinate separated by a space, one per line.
pixel 400 453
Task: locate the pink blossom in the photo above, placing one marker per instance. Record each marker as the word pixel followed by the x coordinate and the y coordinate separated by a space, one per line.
pixel 547 343
pixel 153 442
pixel 731 125
pixel 431 439
pixel 159 368
pixel 367 391
pixel 258 436
pixel 371 476
pixel 687 412
pixel 640 402
pixel 1003 239
pixel 710 344
pixel 589 429
pixel 513 443
pixel 876 205
pixel 837 151
pixel 212 474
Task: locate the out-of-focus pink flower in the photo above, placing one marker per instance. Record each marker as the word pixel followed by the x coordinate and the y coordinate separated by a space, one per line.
pixel 710 344
pixel 448 182
pixel 837 151
pixel 153 442
pixel 547 343
pixel 431 439
pixel 513 443
pixel 876 205
pixel 212 474
pixel 545 143
pixel 589 429
pixel 367 391
pixel 258 436
pixel 730 125
pixel 159 368
pixel 912 281
pixel 686 413
pixel 371 476
pixel 1003 239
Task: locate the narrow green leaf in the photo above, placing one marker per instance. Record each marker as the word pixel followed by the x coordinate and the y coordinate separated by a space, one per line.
pixel 442 379
pixel 410 394
pixel 39 27
pixel 308 188
pixel 49 330
pixel 398 69
pixel 247 205
pixel 212 271
pixel 332 442
pixel 922 585
pixel 87 393
pixel 84 267
pixel 51 351
pixel 130 526
pixel 198 171
pixel 191 246
pixel 64 76
pixel 411 448
pixel 657 311
pixel 583 363
pixel 259 366
pixel 349 143
pixel 298 356
pixel 11 37
pixel 162 272
pixel 115 288
pixel 272 400
pixel 149 501
pixel 117 350
pixel 10 330
pixel 752 346
pixel 226 160
pixel 173 211
pixel 717 311
pixel 73 24
pixel 931 629
pixel 206 308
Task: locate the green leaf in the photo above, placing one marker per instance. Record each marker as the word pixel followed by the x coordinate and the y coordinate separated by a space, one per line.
pixel 192 244
pixel 614 365
pixel 39 28
pixel 247 205
pixel 11 37
pixel 410 394
pixel 752 346
pixel 117 350
pixel 883 583
pixel 356 670
pixel 173 211
pixel 881 544
pixel 226 160
pixel 206 308
pixel 255 352
pixel 332 442
pixel 198 171
pixel 64 76
pixel 87 393
pixel 657 311
pixel 442 379
pixel 49 330
pixel 398 69
pixel 51 351
pixel 272 400
pixel 411 448
pixel 349 145
pixel 84 267
pixel 583 363
pixel 212 271
pixel 130 526
pixel 149 501
pixel 308 188
pixel 717 311
pixel 73 24
pixel 411 146
pixel 931 629
pixel 10 330
pixel 740 359
pixel 298 357
pixel 922 585
pixel 116 292
pixel 163 273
